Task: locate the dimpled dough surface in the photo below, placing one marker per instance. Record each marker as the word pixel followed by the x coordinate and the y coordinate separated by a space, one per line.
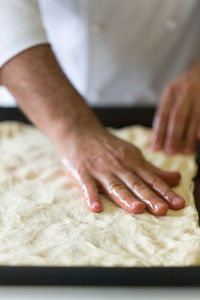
pixel 43 220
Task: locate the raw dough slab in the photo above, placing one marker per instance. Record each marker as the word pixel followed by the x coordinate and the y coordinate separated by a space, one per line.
pixel 44 222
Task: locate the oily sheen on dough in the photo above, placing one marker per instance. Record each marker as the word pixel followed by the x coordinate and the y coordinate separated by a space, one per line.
pixel 43 220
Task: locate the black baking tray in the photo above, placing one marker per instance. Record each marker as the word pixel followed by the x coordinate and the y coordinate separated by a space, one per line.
pixel 103 276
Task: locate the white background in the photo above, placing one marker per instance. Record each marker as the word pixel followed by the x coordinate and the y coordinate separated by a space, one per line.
pixel 6 99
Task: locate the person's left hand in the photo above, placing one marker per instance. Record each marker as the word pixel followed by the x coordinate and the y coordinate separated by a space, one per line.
pixel 176 126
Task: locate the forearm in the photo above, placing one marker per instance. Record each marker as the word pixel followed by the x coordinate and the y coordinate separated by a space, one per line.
pixel 45 94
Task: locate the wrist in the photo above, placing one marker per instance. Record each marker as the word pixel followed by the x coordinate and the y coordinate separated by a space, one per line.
pixel 75 131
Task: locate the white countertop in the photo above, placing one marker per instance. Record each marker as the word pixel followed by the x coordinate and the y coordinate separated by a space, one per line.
pixel 97 293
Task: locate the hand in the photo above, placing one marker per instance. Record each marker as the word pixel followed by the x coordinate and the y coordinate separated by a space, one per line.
pixel 99 162
pixel 176 125
pixel 94 159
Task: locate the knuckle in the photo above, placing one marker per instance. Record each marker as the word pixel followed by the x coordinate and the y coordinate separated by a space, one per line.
pixel 156 181
pixel 81 170
pixel 178 117
pixel 151 199
pixel 97 165
pixel 86 180
pixel 115 186
pixel 117 163
pixel 83 178
pixel 187 87
pixel 103 164
pixel 137 183
pixel 169 90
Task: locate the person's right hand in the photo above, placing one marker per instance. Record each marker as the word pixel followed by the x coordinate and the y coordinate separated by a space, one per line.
pixel 94 159
pixel 100 162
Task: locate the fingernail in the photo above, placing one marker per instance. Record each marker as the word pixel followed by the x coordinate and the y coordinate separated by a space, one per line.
pixel 139 206
pixel 178 175
pixel 178 202
pixel 155 145
pixel 95 205
pixel 160 208
pixel 175 173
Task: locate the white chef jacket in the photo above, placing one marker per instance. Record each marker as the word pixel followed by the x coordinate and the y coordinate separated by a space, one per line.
pixel 115 52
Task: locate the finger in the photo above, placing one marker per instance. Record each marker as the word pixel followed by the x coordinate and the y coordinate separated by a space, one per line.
pixel 198 132
pixel 90 194
pixel 119 193
pixel 161 119
pixel 161 188
pixel 177 124
pixel 172 178
pixel 154 204
pixel 191 133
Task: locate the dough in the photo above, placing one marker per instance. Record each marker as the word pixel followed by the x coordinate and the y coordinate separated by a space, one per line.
pixel 43 220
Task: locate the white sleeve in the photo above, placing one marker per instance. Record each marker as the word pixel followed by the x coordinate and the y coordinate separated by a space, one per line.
pixel 20 27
